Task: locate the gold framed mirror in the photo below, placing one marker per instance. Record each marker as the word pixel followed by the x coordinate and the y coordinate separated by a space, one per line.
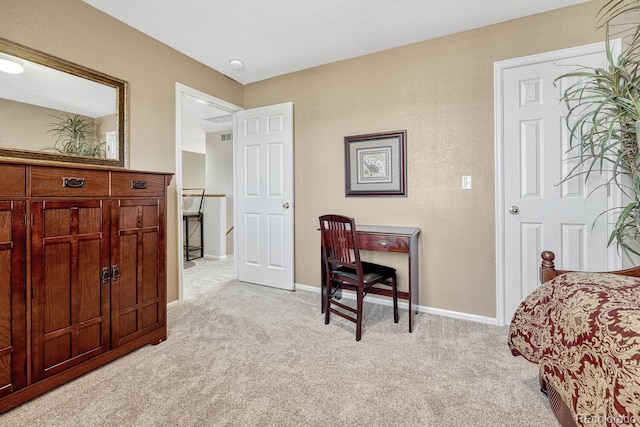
pixel 52 109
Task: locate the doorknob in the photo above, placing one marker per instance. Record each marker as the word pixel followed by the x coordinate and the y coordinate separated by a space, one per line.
pixel 285 205
pixel 514 210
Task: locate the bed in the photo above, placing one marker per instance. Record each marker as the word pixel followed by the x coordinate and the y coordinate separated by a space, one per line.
pixel 583 330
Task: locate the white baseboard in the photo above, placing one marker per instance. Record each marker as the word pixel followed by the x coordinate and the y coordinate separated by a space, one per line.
pixel 173 304
pixel 422 309
pixel 214 256
pixel 460 315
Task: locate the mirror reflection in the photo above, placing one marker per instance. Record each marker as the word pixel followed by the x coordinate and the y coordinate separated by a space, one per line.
pixel 54 110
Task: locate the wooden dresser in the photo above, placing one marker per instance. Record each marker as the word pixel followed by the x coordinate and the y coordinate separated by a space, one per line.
pixel 82 271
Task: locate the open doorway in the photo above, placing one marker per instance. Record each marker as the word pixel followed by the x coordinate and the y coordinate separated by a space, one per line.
pixel 204 165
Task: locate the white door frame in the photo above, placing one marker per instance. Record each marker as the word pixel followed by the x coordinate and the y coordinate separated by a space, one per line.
pixel 231 108
pixel 499 68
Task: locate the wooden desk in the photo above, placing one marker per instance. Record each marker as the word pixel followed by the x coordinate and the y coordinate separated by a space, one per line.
pixel 389 239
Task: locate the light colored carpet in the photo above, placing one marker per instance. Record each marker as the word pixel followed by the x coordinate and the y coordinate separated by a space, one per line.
pixel 246 355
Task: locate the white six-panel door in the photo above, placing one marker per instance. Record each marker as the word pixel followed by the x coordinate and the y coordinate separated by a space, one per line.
pixel 536 210
pixel 264 195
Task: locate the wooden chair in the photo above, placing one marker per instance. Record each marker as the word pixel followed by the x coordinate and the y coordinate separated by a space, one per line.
pixel 345 269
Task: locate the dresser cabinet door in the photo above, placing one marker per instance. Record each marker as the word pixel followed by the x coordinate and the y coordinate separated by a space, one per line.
pixel 70 250
pixel 12 297
pixel 137 248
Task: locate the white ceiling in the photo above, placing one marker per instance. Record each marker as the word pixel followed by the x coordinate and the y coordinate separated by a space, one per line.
pixel 276 37
pixel 198 116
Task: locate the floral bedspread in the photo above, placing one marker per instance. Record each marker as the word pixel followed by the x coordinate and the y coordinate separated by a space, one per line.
pixel 583 330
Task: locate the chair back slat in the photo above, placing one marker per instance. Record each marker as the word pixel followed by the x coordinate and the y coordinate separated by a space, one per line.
pixel 339 240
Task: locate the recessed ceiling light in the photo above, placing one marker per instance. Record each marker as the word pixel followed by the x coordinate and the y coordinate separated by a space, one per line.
pixel 236 64
pixel 10 65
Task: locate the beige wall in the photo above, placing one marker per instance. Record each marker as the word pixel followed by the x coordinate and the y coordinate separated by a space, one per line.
pixel 75 31
pixel 441 92
pixel 193 170
pixel 220 177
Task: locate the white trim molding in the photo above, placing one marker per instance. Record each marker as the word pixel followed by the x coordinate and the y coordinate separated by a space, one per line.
pixel 181 89
pixel 422 309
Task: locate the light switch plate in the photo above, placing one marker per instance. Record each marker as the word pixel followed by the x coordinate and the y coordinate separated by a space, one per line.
pixel 466 182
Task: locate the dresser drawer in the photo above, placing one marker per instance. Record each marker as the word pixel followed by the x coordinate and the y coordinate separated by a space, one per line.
pixel 12 180
pixel 133 184
pixel 58 182
pixel 383 242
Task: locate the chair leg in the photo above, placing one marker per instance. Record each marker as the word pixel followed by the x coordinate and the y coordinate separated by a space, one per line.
pixel 327 299
pixel 360 298
pixel 394 283
pixel 201 236
pixel 186 237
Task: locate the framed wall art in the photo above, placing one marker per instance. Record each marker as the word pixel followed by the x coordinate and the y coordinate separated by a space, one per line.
pixel 375 164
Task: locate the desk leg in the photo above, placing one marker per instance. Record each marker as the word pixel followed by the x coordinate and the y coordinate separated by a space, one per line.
pixel 414 280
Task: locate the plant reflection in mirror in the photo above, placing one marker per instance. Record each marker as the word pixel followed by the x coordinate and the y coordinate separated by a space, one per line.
pixel 76 135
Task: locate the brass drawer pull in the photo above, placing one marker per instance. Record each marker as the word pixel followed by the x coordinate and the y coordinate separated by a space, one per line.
pixel 383 243
pixel 139 185
pixel 73 182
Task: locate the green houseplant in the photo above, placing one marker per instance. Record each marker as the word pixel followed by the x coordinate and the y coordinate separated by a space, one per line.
pixel 75 135
pixel 604 120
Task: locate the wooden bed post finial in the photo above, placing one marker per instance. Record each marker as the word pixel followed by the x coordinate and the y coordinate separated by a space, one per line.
pixel 548 268
pixel 547 259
